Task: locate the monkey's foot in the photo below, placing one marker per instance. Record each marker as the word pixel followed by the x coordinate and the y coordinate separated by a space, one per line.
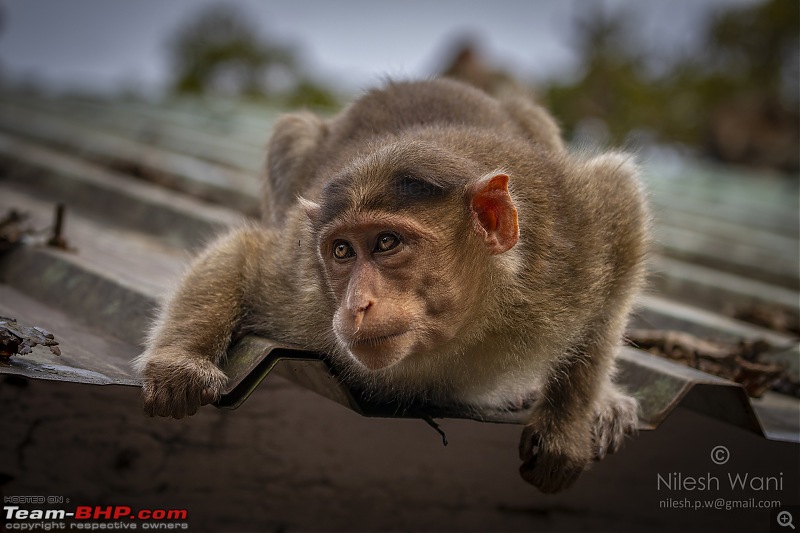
pixel 553 462
pixel 616 416
pixel 177 385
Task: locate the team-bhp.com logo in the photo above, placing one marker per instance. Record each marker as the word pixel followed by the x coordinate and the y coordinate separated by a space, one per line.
pixel 84 512
pixel 146 518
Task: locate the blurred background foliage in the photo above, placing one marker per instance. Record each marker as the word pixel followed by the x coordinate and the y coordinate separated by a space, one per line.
pixel 734 98
pixel 219 51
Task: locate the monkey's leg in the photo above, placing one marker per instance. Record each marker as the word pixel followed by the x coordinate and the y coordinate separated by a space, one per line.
pixel 295 137
pixel 179 367
pixel 556 444
pixel 538 124
pixel 562 436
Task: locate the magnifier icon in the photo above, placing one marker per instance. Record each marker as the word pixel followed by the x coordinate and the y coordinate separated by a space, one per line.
pixel 785 519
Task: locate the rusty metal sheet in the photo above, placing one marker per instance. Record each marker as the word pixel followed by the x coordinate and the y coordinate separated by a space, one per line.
pixel 87 356
pixel 212 182
pixel 106 194
pixel 659 385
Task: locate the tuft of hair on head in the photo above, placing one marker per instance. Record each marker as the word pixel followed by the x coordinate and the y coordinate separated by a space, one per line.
pixel 310 208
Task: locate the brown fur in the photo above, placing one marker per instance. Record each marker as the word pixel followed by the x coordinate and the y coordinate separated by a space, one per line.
pixel 479 324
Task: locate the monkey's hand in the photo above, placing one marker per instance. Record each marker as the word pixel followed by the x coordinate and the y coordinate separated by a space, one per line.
pixel 553 455
pixel 616 416
pixel 176 384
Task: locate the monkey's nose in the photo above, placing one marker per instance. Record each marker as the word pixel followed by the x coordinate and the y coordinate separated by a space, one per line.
pixel 360 312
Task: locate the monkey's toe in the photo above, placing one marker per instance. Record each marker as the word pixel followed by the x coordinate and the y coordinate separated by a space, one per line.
pixel 616 418
pixel 551 474
pixel 528 445
pixel 552 464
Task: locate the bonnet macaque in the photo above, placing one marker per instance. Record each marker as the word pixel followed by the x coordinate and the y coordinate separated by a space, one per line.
pixel 437 244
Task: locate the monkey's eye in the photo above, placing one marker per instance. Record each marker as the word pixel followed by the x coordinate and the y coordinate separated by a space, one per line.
pixel 386 241
pixel 343 250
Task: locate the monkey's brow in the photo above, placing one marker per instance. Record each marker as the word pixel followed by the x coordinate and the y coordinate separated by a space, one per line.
pixel 405 186
pixel 402 189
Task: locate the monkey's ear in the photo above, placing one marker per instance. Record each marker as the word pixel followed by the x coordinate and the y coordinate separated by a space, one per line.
pixel 494 214
pixel 312 209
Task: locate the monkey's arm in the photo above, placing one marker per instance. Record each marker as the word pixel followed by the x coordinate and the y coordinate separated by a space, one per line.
pixel 179 367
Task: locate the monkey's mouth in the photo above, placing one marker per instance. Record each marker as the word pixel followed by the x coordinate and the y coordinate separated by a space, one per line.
pixel 380 351
pixel 377 340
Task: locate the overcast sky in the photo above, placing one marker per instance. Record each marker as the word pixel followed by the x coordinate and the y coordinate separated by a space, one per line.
pixel 108 44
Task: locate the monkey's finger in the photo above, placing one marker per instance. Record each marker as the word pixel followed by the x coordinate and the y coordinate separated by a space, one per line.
pixel 157 401
pixel 147 399
pixel 547 477
pixel 533 475
pixel 177 403
pixel 558 483
pixel 193 397
pixel 568 479
pixel 600 453
pixel 165 402
pixel 600 442
pixel 208 396
pixel 160 406
pixel 544 481
pixel 528 444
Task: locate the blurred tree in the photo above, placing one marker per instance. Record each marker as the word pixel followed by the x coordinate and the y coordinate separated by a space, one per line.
pixel 612 91
pixel 736 98
pixel 757 43
pixel 306 93
pixel 754 57
pixel 220 51
pixel 2 28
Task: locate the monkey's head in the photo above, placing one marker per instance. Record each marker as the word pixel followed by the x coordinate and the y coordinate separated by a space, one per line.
pixel 406 237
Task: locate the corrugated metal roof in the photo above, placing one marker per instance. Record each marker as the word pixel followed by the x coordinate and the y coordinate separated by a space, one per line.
pixel 143 183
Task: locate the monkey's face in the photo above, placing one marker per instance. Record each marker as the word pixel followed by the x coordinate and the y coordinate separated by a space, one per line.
pixel 405 237
pixel 398 284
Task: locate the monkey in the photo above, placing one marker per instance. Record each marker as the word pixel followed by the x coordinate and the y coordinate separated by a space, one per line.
pixel 436 243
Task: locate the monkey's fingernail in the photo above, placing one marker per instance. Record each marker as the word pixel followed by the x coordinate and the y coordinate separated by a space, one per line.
pixel 207 397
